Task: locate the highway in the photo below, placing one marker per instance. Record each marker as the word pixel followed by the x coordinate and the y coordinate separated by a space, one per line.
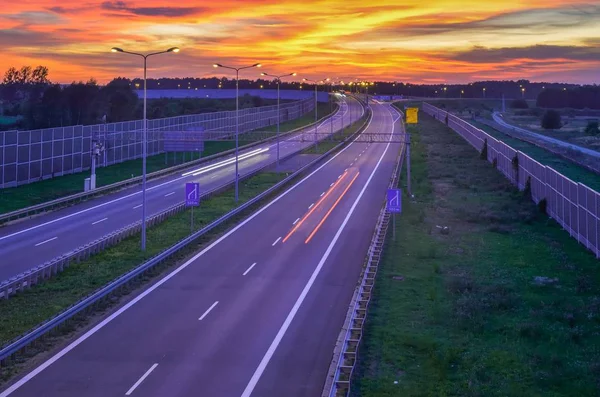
pixel 257 312
pixel 500 121
pixel 37 240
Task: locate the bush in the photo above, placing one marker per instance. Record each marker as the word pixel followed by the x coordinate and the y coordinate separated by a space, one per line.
pixel 593 128
pixel 519 104
pixel 484 151
pixel 551 120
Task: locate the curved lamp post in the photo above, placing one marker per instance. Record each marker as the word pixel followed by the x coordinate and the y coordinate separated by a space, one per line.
pixel 278 79
pixel 145 132
pixel 237 120
pixel 316 83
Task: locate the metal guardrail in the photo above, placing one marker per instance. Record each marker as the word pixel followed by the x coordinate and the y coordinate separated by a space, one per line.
pixel 344 363
pixel 20 343
pixel 78 197
pixel 46 270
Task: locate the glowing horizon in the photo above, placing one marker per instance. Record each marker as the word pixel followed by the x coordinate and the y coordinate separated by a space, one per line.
pixel 437 42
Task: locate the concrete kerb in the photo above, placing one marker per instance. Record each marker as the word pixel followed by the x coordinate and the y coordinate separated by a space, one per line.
pixel 7 288
pixel 337 383
pixel 79 197
pixel 84 305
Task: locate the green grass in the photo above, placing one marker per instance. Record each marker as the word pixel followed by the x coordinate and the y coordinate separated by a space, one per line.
pixel 560 164
pixel 8 120
pixel 467 319
pixel 323 109
pixel 25 310
pixel 13 199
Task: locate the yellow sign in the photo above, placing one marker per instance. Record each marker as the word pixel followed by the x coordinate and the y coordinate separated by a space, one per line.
pixel 411 115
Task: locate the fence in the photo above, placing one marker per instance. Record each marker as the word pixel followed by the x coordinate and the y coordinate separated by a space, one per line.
pixel 573 205
pixel 29 156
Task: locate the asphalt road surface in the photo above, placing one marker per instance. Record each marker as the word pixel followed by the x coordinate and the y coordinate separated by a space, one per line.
pixel 256 313
pixel 35 241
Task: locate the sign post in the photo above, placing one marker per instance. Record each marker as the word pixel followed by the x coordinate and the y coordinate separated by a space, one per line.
pixel 192 199
pixel 394 205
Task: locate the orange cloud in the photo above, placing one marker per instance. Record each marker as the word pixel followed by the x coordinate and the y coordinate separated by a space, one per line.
pixel 438 40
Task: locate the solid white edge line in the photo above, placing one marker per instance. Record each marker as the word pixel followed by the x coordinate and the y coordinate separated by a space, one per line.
pixel 47 241
pixel 276 241
pixel 223 162
pixel 85 210
pixel 169 194
pixel 208 311
pixel 97 222
pixel 250 268
pixel 166 278
pixel 267 357
pixel 296 221
pixel 140 380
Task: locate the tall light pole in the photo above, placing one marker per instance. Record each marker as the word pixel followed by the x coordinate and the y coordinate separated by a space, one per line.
pixel 278 79
pixel 316 83
pixel 523 92
pixel 145 133
pixel 484 92
pixel 237 116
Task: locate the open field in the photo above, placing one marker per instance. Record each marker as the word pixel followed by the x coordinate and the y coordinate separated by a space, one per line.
pixel 506 304
pixel 572 131
pixel 560 164
pixel 24 196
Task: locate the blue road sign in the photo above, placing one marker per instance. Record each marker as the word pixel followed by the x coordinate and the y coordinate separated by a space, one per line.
pixel 192 194
pixel 394 200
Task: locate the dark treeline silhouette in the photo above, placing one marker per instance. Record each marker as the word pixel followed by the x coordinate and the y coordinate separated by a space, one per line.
pixel 211 83
pixel 577 98
pixel 38 103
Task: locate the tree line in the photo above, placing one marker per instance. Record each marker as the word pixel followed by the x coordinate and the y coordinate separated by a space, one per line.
pixel 36 102
pixel 584 97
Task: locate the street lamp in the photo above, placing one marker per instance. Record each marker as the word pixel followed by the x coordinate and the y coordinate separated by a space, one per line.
pixel 145 133
pixel 278 79
pixel 461 93
pixel 484 92
pixel 316 83
pixel 237 123
pixel 523 92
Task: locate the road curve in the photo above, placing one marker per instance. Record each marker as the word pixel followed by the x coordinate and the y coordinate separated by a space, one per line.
pixel 257 312
pixel 499 120
pixel 35 241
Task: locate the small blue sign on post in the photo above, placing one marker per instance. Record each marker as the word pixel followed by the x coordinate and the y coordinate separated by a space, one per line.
pixel 192 194
pixel 394 200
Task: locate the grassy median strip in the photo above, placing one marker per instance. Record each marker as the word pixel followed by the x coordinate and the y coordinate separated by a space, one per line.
pixel 25 310
pixel 505 304
pixel 24 196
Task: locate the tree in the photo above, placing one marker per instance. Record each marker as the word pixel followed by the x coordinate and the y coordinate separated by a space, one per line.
pixel 40 75
pixel 24 75
pixel 11 76
pixel 519 104
pixel 119 99
pixel 592 128
pixel 551 120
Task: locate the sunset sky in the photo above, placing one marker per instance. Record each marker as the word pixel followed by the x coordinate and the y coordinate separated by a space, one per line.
pixel 433 41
